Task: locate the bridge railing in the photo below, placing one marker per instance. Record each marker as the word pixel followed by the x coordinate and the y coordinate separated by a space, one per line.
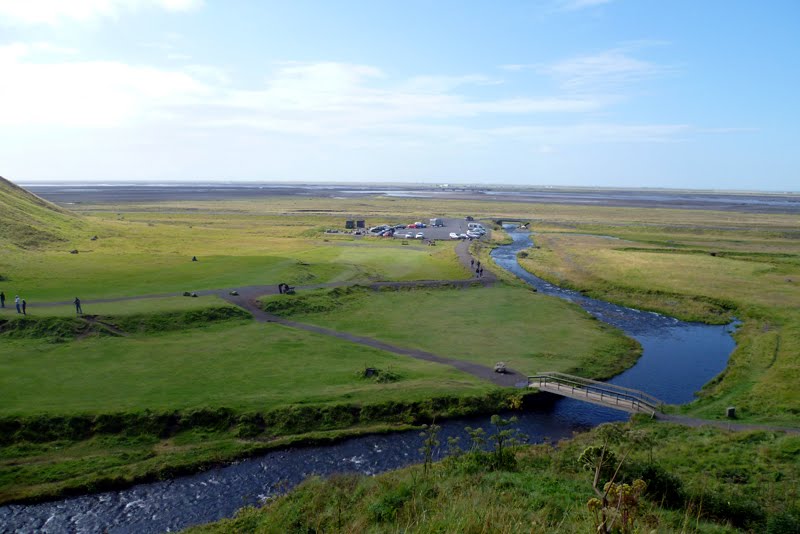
pixel 637 398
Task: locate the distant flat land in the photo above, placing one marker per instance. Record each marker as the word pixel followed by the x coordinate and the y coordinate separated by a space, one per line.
pixel 750 202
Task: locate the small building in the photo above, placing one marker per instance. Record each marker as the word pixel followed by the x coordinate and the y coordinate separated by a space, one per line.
pixel 350 225
pixel 361 224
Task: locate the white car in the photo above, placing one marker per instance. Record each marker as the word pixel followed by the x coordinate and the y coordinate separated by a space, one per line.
pixel 462 236
pixel 454 235
pixel 420 235
pixel 473 235
pixel 409 235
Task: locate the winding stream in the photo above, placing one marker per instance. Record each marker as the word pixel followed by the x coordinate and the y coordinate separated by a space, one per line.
pixel 678 358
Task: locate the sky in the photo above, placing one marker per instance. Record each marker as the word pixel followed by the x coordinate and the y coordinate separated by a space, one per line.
pixel 630 93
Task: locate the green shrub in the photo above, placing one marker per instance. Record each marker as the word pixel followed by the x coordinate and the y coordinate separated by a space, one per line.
pixel 385 509
pixel 786 522
pixel 663 488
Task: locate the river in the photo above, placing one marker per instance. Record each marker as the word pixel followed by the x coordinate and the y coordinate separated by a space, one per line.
pixel 677 359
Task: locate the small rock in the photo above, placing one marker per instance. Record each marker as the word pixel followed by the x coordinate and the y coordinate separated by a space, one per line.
pixel 235 293
pixel 73 251
pixel 194 294
pixel 187 294
pixel 94 238
pixel 194 258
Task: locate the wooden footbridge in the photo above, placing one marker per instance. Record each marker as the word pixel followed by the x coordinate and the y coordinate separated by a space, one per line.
pixel 602 393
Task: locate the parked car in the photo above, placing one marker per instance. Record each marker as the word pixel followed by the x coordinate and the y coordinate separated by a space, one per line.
pixel 409 235
pixel 454 235
pixel 420 235
pixel 473 235
pixel 462 236
pixel 419 224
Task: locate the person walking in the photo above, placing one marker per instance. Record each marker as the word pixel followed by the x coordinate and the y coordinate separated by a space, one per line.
pixel 2 300
pixel 16 303
pixel 24 306
pixel 78 308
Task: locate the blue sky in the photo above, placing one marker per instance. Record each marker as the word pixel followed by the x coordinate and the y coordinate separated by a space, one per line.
pixel 637 93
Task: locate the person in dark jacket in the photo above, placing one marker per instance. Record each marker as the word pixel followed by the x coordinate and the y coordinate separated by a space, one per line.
pixel 78 308
pixel 24 307
pixel 2 300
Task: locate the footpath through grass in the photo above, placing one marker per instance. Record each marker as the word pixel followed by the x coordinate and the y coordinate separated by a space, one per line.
pixel 530 332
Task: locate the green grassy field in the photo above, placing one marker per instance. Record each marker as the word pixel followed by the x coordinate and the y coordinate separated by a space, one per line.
pixel 129 268
pixel 243 366
pixel 532 333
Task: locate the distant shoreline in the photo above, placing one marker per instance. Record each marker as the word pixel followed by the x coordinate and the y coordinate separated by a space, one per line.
pixel 749 202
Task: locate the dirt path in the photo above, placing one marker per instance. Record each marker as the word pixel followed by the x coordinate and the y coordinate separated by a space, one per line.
pixel 92 319
pixel 510 379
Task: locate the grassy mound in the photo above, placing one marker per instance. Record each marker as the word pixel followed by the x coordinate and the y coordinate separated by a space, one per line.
pixel 320 301
pixel 178 320
pixel 55 329
pixel 60 329
pixel 28 221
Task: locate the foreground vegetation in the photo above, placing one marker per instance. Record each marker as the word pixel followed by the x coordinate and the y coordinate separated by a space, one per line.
pixel 738 481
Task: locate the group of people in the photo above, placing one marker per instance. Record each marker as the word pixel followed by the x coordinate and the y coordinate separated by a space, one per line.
pixel 477 266
pixel 22 304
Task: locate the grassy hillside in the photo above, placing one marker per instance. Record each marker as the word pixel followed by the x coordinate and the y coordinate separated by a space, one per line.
pixel 28 221
pixel 737 482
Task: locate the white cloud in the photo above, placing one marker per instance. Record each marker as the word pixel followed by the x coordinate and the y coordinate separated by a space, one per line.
pixel 335 97
pixel 335 103
pixel 87 93
pixel 613 68
pixel 53 12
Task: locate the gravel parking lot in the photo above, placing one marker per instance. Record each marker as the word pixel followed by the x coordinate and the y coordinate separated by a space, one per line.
pixel 458 226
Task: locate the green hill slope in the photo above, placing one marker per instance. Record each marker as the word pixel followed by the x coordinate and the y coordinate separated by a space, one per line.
pixel 28 221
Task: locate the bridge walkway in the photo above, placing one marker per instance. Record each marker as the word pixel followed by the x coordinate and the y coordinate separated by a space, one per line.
pixel 595 392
